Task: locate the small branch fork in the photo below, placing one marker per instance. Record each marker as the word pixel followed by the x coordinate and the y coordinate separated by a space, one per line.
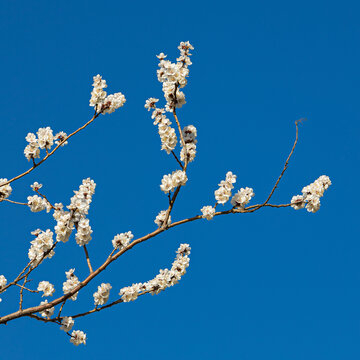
pixel 30 312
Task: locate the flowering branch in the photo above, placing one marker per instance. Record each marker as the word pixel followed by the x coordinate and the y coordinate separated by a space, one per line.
pixel 75 216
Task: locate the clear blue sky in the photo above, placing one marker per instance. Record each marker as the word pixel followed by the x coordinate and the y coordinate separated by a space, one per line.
pixel 278 284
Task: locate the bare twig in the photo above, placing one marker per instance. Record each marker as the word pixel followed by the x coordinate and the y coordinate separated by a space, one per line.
pixel 177 159
pixel 14 202
pixel 21 292
pixel 88 259
pixel 286 163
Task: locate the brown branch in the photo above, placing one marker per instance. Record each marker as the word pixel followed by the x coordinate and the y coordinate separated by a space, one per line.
pixel 88 259
pixel 21 292
pixel 27 289
pixel 181 138
pixel 62 306
pixel 177 159
pixel 286 162
pixel 14 202
pixel 97 309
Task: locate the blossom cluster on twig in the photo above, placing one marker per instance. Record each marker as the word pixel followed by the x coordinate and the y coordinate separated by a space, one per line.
pixel 74 218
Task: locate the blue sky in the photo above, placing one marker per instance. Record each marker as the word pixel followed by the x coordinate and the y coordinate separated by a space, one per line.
pixel 276 284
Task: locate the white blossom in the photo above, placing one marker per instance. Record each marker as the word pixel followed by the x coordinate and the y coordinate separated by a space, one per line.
pixel 60 136
pixel 161 56
pixel 98 95
pixel 45 138
pixel 80 202
pixel 47 313
pixel 163 280
pixel 174 76
pixel 242 197
pixel 64 225
pixel 171 181
pixel 106 104
pixel 46 287
pixel 3 281
pixel 151 103
pixel 36 186
pixel 113 102
pixel 71 282
pixel 5 190
pixel 83 235
pixel 67 323
pixel 297 202
pixel 102 295
pixel 190 151
pixel 78 337
pixel 130 293
pixel 40 246
pixel 37 203
pixel 122 240
pixel 311 195
pixel 222 195
pixel 160 218
pixel 32 150
pixel 208 212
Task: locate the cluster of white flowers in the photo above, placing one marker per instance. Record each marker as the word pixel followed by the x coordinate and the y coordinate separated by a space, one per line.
pixel 67 323
pixel 40 246
pixel 171 181
pixel 174 76
pixel 44 140
pixel 167 133
pixel 122 240
pixel 80 202
pixel 79 207
pixel 83 234
pixel 163 280
pixel 5 190
pixel 208 212
pixel 222 195
pixel 160 218
pixel 311 195
pixel 71 282
pixel 47 313
pixel 46 287
pixel 78 337
pixel 189 135
pixel 106 104
pixel 37 203
pixel 64 223
pixel 102 295
pixel 242 197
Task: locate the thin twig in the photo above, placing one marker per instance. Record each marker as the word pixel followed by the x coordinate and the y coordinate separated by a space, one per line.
pixel 88 259
pixel 21 292
pixel 62 306
pixel 27 289
pixel 14 202
pixel 181 138
pixel 286 163
pixel 177 159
